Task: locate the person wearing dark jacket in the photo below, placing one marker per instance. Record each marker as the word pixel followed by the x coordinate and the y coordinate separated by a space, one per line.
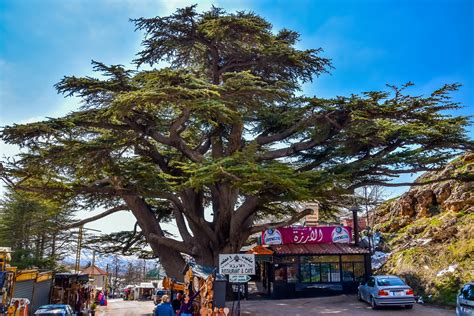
pixel 164 308
pixel 187 304
pixel 176 304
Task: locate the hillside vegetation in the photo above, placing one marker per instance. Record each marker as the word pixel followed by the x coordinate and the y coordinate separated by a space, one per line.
pixel 429 232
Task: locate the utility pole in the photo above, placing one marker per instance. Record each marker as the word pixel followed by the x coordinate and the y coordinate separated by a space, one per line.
pixel 77 266
pixel 93 259
pixel 78 251
pixel 107 280
pixel 117 265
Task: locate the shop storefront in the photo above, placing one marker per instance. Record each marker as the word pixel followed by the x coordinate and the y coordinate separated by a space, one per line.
pixel 295 261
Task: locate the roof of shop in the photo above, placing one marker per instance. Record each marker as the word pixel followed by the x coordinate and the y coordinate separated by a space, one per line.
pixel 260 250
pixel 318 249
pixel 93 271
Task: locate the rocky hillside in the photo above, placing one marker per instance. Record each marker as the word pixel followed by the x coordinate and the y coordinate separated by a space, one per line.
pixel 429 232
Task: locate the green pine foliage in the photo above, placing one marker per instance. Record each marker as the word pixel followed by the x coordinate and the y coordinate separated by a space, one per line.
pixel 224 128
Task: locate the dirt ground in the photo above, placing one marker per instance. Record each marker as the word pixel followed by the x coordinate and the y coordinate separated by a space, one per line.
pixel 341 305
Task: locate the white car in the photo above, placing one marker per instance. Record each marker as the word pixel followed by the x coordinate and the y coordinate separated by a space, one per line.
pixel 386 290
pixel 465 300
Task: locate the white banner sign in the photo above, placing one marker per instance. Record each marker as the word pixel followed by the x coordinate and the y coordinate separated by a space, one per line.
pixel 239 264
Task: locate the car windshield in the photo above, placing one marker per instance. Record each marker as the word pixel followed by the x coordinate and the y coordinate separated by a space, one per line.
pixel 468 292
pixel 53 312
pixel 389 282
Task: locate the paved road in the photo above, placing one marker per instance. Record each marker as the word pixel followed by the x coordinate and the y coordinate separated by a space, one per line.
pixel 341 305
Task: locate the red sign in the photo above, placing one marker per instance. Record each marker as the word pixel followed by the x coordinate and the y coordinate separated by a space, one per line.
pixel 307 235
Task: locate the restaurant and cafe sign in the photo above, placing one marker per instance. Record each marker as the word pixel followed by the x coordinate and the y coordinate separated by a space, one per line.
pixel 307 235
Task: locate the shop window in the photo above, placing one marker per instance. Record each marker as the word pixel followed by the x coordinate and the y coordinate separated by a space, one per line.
pixel 353 271
pixel 347 271
pixel 292 273
pixel 305 273
pixel 315 273
pixel 280 273
pixel 325 272
pixel 335 275
pixel 359 271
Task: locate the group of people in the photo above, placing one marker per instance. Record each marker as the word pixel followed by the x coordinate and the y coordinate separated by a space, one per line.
pixel 181 306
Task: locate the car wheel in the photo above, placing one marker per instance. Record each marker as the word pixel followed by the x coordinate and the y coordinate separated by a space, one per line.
pixel 359 296
pixel 408 306
pixel 373 304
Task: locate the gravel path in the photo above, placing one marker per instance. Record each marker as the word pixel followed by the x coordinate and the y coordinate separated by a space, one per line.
pixel 341 305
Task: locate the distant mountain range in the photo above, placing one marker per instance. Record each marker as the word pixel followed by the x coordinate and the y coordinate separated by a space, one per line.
pixel 102 260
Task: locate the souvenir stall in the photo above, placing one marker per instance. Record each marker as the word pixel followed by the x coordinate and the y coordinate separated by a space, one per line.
pixel 7 279
pixel 145 291
pixel 212 288
pixel 73 289
pixel 300 260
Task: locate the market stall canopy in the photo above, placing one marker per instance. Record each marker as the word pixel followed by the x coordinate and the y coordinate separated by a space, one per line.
pixel 144 285
pixel 318 249
pixel 78 277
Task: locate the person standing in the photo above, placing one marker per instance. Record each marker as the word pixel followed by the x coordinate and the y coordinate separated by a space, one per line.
pixel 187 303
pixel 176 304
pixel 164 308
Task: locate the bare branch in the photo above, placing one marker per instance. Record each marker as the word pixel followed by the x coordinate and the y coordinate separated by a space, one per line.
pixel 97 217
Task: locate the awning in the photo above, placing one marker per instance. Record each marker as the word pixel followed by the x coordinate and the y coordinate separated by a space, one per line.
pixel 260 250
pixel 262 253
pixel 318 249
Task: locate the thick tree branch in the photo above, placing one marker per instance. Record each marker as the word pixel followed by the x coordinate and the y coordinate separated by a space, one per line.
pixel 405 184
pixel 177 127
pixel 97 217
pixel 287 222
pixel 288 151
pixel 173 141
pixel 181 223
pixel 171 243
pixel 243 212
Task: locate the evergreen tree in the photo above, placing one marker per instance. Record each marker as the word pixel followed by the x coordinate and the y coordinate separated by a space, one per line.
pixel 222 137
pixel 31 226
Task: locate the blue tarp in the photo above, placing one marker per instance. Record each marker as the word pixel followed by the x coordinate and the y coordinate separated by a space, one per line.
pixel 3 277
pixel 204 271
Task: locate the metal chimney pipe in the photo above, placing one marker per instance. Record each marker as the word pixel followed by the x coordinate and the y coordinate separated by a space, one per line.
pixel 355 224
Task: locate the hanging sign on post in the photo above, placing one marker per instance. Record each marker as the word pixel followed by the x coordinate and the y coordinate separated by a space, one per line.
pixel 238 278
pixel 237 264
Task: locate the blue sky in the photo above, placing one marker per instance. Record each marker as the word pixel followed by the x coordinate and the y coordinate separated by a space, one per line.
pixel 371 43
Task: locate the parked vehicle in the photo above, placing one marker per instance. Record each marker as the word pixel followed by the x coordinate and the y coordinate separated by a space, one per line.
pixel 386 290
pixel 465 300
pixel 55 309
pixel 158 294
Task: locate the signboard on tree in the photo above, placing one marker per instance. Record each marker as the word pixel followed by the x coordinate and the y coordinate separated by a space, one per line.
pixel 237 264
